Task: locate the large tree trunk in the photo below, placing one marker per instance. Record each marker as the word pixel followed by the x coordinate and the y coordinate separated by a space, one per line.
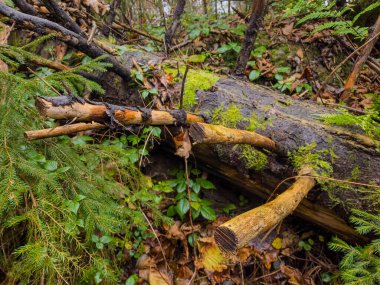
pixel 291 124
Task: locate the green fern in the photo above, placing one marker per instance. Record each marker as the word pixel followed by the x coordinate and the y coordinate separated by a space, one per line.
pixel 360 265
pixel 55 194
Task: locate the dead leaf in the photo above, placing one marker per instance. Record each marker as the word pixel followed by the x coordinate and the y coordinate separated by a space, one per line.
pixel 212 258
pixel 287 30
pixel 300 53
pixel 99 7
pixel 243 254
pixel 159 278
pixel 183 144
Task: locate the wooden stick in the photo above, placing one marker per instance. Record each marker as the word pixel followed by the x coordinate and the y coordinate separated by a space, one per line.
pixel 142 33
pixel 69 108
pixel 362 58
pixel 211 134
pixel 238 231
pixel 62 130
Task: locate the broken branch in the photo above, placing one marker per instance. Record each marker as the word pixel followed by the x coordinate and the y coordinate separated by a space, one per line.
pixel 44 26
pixel 238 231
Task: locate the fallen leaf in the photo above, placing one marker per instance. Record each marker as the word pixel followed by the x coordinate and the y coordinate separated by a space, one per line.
pixel 97 6
pixel 287 30
pixel 183 144
pixel 212 258
pixel 300 53
pixel 159 278
pixel 277 243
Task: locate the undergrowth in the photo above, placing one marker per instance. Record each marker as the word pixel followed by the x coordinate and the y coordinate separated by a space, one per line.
pixel 63 201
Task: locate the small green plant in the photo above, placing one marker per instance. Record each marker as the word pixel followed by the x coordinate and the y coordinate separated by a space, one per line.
pixel 199 206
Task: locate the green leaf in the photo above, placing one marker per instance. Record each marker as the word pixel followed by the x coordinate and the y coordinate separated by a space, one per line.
pixel 156 131
pixel 197 58
pixel 51 165
pixel 205 183
pixel 208 213
pixel 145 94
pixel 181 187
pixel 196 187
pixel 194 33
pixel 131 280
pixel 139 76
pixel 192 239
pixel 73 206
pixel 105 239
pixel 182 207
pixel 223 49
pixel 282 69
pixel 171 211
pixel 230 207
pixel 254 75
pixel 278 77
pixel 99 245
pixel 81 140
pixel 95 238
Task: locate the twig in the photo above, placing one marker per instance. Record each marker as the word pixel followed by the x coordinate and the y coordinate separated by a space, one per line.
pixel 158 240
pixel 323 86
pixel 183 87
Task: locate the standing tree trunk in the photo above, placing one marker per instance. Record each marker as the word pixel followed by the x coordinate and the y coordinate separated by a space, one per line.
pixel 204 3
pixel 258 9
pixel 111 17
pixel 362 58
pixel 179 9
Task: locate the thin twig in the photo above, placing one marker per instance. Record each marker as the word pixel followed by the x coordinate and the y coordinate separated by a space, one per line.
pixel 158 240
pixel 345 60
pixel 183 87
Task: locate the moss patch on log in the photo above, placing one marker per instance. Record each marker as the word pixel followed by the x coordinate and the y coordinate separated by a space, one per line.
pixel 197 79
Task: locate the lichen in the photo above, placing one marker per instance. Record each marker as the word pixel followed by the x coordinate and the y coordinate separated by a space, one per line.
pixel 253 158
pixel 197 79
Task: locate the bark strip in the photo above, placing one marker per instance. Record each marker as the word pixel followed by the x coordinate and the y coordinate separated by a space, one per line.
pixel 238 231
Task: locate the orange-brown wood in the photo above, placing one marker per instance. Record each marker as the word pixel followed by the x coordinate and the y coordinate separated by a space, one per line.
pixel 62 130
pixel 210 134
pixel 238 231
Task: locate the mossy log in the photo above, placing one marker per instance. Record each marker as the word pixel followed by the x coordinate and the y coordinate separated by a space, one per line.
pixel 291 124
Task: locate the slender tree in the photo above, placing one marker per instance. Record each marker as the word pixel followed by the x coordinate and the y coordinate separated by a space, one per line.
pixel 176 22
pixel 258 10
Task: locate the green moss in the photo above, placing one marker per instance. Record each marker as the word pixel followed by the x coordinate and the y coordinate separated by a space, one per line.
pixel 355 173
pixel 257 123
pixel 308 155
pixel 229 117
pixel 253 158
pixel 197 79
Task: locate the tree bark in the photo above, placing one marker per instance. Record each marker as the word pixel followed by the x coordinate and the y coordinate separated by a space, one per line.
pixel 292 124
pixel 44 26
pixel 111 17
pixel 176 22
pixel 361 59
pixel 258 10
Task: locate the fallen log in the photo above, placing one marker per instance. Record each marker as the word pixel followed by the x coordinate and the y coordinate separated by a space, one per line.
pixel 237 232
pixel 306 210
pixel 292 124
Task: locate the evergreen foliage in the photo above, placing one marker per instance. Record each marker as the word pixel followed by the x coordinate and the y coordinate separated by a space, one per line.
pixel 361 265
pixel 369 123
pixel 62 201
